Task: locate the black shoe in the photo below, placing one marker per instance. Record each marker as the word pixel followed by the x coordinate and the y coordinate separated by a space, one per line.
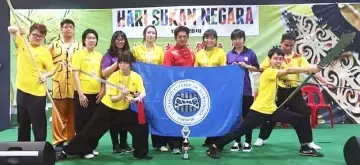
pixel 126 148
pixel 60 156
pixel 213 153
pixel 246 147
pixel 220 149
pixel 307 151
pixel 118 150
pixel 235 147
pixel 147 157
pixel 60 144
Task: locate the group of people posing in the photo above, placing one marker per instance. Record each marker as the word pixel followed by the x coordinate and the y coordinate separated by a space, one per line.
pixel 84 109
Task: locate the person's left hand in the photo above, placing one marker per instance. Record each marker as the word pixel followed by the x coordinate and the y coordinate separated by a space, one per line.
pixel 42 78
pixel 132 99
pixel 243 64
pixel 100 96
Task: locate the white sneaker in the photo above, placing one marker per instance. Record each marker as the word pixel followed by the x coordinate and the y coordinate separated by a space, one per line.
pixel 235 147
pixel 164 149
pixel 246 147
pixel 259 142
pixel 314 146
pixel 95 153
pixel 89 156
pixel 176 151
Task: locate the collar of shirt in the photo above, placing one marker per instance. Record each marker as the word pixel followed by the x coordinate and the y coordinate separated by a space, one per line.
pixel 234 57
pixel 183 51
pixel 245 50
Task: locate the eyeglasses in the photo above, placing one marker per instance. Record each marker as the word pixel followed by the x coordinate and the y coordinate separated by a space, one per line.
pixel 39 36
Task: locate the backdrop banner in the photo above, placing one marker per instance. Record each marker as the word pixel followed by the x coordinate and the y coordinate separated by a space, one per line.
pixel 198 18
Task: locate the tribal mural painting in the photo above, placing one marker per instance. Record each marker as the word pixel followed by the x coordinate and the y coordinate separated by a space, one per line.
pixel 316 35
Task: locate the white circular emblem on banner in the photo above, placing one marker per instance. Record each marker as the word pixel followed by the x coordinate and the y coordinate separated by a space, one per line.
pixel 187 102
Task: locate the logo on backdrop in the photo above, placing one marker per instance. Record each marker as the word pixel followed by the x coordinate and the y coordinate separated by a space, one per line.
pixel 187 102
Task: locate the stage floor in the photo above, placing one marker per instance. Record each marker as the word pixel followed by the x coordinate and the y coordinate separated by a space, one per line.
pixel 281 149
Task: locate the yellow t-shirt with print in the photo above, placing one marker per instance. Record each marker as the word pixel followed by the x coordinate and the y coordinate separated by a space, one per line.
pixel 293 60
pixel 88 62
pixel 62 81
pixel 215 57
pixel 153 57
pixel 265 100
pixel 133 82
pixel 27 77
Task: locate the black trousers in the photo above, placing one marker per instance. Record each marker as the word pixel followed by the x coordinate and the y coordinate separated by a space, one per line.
pixel 31 110
pixel 254 119
pixel 246 104
pixel 297 105
pixel 175 142
pixel 115 132
pixel 87 139
pixel 83 115
pixel 158 141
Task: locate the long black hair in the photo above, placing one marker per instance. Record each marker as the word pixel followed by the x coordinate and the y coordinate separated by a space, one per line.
pixel 113 50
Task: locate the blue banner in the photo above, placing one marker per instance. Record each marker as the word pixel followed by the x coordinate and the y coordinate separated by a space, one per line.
pixel 207 100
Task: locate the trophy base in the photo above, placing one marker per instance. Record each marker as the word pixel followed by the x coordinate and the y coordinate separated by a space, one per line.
pixel 185 157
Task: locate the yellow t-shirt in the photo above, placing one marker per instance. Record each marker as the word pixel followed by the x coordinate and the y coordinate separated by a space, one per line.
pixel 154 57
pixel 27 78
pixel 62 81
pixel 133 82
pixel 89 63
pixel 265 100
pixel 293 60
pixel 216 57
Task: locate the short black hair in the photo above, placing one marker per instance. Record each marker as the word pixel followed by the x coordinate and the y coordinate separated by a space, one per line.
pixel 237 33
pixel 276 50
pixel 288 36
pixel 40 27
pixel 210 32
pixel 88 31
pixel 67 21
pixel 181 29
pixel 126 56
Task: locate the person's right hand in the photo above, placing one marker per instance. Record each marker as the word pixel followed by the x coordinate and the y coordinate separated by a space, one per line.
pixel 83 100
pixel 314 68
pixel 125 91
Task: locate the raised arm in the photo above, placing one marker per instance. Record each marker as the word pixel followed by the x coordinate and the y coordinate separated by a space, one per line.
pixel 14 31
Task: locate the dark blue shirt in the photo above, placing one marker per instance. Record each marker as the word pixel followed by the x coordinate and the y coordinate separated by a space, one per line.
pixel 247 56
